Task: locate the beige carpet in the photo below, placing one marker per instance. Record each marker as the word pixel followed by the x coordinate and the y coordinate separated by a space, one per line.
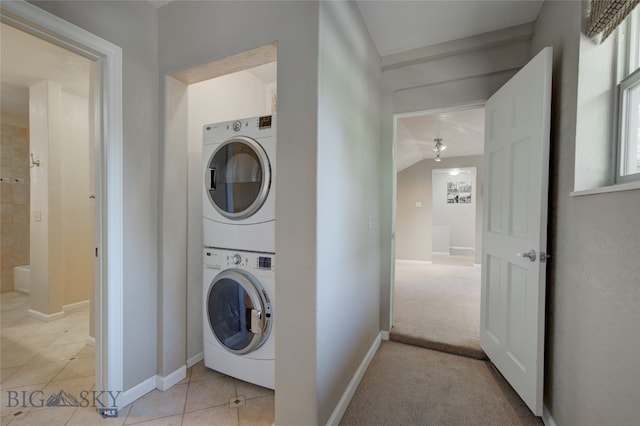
pixel 407 385
pixel 437 306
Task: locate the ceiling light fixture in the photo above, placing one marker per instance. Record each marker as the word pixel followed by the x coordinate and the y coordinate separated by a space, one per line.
pixel 438 148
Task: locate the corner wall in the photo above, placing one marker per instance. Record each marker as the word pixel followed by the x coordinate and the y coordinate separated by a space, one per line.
pixel 592 373
pixel 348 200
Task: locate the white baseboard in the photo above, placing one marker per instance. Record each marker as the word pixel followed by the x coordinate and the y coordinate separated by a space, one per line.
pixel 441 253
pixel 165 382
pixel 477 265
pixel 384 335
pixel 414 262
pixel 463 248
pixel 546 417
pixel 195 359
pixel 91 341
pixel 75 306
pixel 340 409
pixel 136 392
pixel 45 317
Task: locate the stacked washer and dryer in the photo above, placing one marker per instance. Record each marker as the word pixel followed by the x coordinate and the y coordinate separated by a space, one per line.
pixel 238 202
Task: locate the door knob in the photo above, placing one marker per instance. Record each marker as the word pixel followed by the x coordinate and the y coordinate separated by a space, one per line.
pixel 531 254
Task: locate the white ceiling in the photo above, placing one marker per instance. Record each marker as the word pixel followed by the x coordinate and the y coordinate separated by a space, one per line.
pixel 399 26
pixel 461 131
pixel 395 26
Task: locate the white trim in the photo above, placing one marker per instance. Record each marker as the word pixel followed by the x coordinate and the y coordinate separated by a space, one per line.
pixel 195 359
pixel 136 392
pixel 165 382
pixel 384 335
pixel 45 317
pixel 91 341
pixel 109 179
pixel 547 419
pixel 75 306
pixel 462 248
pixel 441 253
pixel 342 405
pixel 477 265
pixel 605 189
pixel 413 262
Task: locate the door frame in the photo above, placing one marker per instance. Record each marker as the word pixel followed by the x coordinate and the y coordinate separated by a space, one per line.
pixel 394 192
pixel 106 105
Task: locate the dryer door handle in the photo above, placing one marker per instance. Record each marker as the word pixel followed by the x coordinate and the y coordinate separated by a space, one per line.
pixel 212 176
pixel 256 322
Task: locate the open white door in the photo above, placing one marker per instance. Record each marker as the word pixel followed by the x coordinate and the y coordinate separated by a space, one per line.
pixel 515 228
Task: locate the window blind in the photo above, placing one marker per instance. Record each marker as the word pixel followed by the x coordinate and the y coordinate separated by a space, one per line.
pixel 606 15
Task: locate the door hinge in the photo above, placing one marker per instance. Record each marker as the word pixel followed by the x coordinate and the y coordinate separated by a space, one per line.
pixel 544 256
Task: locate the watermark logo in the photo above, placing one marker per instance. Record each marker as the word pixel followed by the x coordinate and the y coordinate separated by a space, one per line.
pixel 104 401
pixel 62 399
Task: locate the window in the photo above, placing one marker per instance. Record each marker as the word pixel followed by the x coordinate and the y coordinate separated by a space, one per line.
pixel 628 155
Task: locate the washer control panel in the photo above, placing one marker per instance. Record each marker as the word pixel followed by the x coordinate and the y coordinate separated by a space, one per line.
pixel 225 259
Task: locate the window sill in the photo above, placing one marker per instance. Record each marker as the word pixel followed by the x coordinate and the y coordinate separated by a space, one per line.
pixel 627 186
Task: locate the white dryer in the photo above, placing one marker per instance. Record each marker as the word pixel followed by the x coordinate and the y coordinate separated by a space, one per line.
pixel 239 336
pixel 239 165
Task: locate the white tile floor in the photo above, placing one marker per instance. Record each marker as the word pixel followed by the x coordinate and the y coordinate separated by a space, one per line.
pixel 54 356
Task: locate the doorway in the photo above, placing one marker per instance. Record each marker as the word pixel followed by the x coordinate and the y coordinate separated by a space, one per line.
pixel 436 295
pixel 106 136
pixel 47 176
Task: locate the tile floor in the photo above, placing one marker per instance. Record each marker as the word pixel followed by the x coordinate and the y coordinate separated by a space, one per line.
pixel 54 356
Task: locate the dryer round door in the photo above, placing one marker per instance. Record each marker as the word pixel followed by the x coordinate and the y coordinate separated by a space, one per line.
pixel 239 311
pixel 238 177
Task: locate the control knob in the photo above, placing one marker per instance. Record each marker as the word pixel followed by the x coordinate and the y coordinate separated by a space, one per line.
pixel 236 259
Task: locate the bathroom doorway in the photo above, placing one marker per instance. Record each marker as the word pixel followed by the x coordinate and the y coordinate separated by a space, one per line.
pixel 48 179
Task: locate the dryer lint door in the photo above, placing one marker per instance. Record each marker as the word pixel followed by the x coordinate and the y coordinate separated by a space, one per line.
pixel 238 177
pixel 239 311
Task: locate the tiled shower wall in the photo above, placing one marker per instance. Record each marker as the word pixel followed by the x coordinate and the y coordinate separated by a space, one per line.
pixel 14 207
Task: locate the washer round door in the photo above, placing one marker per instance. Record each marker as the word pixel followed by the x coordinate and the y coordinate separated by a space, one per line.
pixel 239 311
pixel 238 177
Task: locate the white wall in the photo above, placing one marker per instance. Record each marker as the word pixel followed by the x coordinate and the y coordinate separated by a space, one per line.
pixel 593 346
pixel 414 224
pixel 45 245
pixel 78 225
pixel 230 97
pixel 459 218
pixel 348 200
pixel 594 127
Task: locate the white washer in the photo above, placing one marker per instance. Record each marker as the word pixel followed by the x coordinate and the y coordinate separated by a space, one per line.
pixel 239 336
pixel 239 175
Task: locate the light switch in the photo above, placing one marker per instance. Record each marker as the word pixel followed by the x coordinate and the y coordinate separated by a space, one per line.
pixel 37 215
pixel 418 203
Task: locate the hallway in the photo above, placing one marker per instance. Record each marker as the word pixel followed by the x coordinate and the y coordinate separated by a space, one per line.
pixel 437 305
pixel 408 385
